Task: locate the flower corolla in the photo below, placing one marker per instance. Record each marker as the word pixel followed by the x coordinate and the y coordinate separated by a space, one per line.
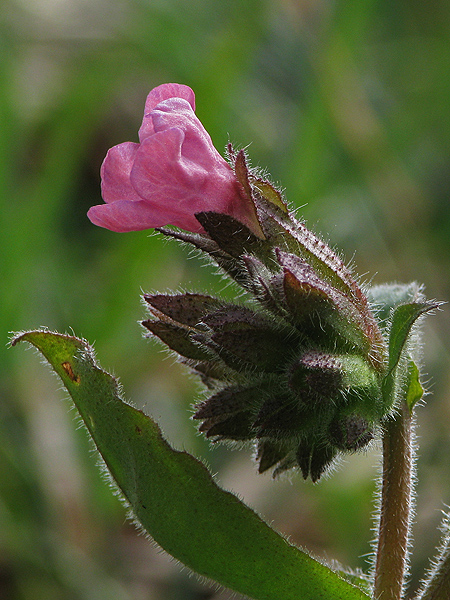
pixel 173 173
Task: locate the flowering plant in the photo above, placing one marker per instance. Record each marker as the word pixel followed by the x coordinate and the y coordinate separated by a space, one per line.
pixel 307 366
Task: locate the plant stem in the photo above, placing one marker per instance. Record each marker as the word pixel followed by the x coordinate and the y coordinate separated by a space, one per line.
pixel 394 525
pixel 438 585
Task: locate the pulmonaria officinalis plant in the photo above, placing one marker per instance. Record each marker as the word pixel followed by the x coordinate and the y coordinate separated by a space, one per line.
pixel 308 365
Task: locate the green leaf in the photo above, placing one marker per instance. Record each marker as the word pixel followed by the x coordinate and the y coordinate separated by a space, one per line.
pixel 384 298
pixel 175 498
pixel 403 318
pixel 414 389
pixel 357 578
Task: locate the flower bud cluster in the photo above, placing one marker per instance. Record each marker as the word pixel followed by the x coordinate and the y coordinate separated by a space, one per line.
pixel 298 368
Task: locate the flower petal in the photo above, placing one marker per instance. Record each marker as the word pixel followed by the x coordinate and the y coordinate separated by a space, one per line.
pixel 124 216
pixel 198 145
pixel 160 94
pixel 160 174
pixel 115 173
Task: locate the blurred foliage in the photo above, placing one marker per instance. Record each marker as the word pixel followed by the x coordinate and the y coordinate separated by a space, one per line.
pixel 346 104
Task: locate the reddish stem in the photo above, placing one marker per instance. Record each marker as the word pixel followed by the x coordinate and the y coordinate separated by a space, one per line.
pixel 394 525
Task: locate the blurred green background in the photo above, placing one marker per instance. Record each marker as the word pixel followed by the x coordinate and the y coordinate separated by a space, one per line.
pixel 346 103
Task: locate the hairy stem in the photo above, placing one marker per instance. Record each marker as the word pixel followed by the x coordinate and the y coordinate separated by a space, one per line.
pixel 392 551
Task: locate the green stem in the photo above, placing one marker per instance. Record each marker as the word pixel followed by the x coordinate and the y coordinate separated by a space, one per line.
pixel 394 525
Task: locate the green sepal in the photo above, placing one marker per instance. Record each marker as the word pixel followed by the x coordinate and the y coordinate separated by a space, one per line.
pixel 232 236
pixel 269 193
pixel 174 497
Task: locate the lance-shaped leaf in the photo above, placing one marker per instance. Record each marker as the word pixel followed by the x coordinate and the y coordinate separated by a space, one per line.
pixel 400 325
pixel 402 321
pixel 174 497
pixel 414 390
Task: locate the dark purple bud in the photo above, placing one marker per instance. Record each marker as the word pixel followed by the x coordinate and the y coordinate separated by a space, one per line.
pixel 187 309
pixel 236 318
pixel 211 371
pixel 236 427
pixel 252 347
pixel 287 463
pixel 351 433
pixel 269 454
pixel 228 401
pixel 178 339
pixel 280 417
pixel 314 460
pixel 321 459
pixel 316 377
pixel 303 456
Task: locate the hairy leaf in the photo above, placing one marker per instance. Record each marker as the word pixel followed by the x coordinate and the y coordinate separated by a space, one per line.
pixel 414 390
pixel 403 318
pixel 175 498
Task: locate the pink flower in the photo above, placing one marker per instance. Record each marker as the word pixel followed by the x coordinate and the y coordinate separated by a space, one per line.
pixel 173 173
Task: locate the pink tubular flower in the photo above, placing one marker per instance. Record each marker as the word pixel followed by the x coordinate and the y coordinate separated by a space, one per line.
pixel 173 173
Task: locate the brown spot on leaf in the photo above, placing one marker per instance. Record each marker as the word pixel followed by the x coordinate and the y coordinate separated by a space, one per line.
pixel 68 369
